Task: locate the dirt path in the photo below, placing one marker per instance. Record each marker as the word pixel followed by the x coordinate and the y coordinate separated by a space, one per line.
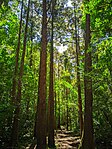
pixel 66 140
pixel 63 140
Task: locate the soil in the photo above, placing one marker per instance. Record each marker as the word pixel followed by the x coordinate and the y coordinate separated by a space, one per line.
pixel 66 140
pixel 63 140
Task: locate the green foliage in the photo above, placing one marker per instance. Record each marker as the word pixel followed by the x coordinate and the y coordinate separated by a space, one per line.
pixel 102 90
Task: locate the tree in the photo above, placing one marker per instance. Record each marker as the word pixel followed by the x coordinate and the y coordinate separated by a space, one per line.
pixel 14 85
pixel 51 141
pixel 15 125
pixel 58 96
pixel 66 92
pixel 41 106
pixel 88 138
pixel 78 74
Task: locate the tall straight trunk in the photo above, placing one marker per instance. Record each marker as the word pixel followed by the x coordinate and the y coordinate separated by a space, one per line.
pixel 30 62
pixel 41 107
pixel 51 142
pixel 67 110
pixel 79 92
pixel 78 78
pixel 58 96
pixel 59 121
pixel 14 83
pixel 31 52
pixel 55 103
pixel 15 127
pixel 66 96
pixel 88 138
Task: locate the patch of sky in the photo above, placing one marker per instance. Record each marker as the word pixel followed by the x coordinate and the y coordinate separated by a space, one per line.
pixel 61 48
pixel 69 4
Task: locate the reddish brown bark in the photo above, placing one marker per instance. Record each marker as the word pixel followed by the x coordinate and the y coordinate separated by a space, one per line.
pixel 14 84
pixel 88 138
pixel 66 95
pixel 58 102
pixel 41 107
pixel 78 78
pixel 31 51
pixel 67 110
pixel 15 125
pixel 51 142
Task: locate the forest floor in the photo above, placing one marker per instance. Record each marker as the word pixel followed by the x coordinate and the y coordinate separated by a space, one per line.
pixel 66 140
pixel 63 140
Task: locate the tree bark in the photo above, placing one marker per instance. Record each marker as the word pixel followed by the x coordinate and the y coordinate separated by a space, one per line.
pixel 31 52
pixel 67 110
pixel 51 141
pixel 66 95
pixel 88 138
pixel 58 102
pixel 15 126
pixel 14 83
pixel 78 77
pixel 41 107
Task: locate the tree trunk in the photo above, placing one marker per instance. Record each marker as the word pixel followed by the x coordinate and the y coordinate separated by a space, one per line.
pixel 41 107
pixel 31 52
pixel 67 111
pixel 55 103
pixel 14 83
pixel 66 95
pixel 51 142
pixel 88 138
pixel 58 118
pixel 78 78
pixel 15 127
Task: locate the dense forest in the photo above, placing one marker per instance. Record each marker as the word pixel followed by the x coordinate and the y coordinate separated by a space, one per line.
pixel 55 74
